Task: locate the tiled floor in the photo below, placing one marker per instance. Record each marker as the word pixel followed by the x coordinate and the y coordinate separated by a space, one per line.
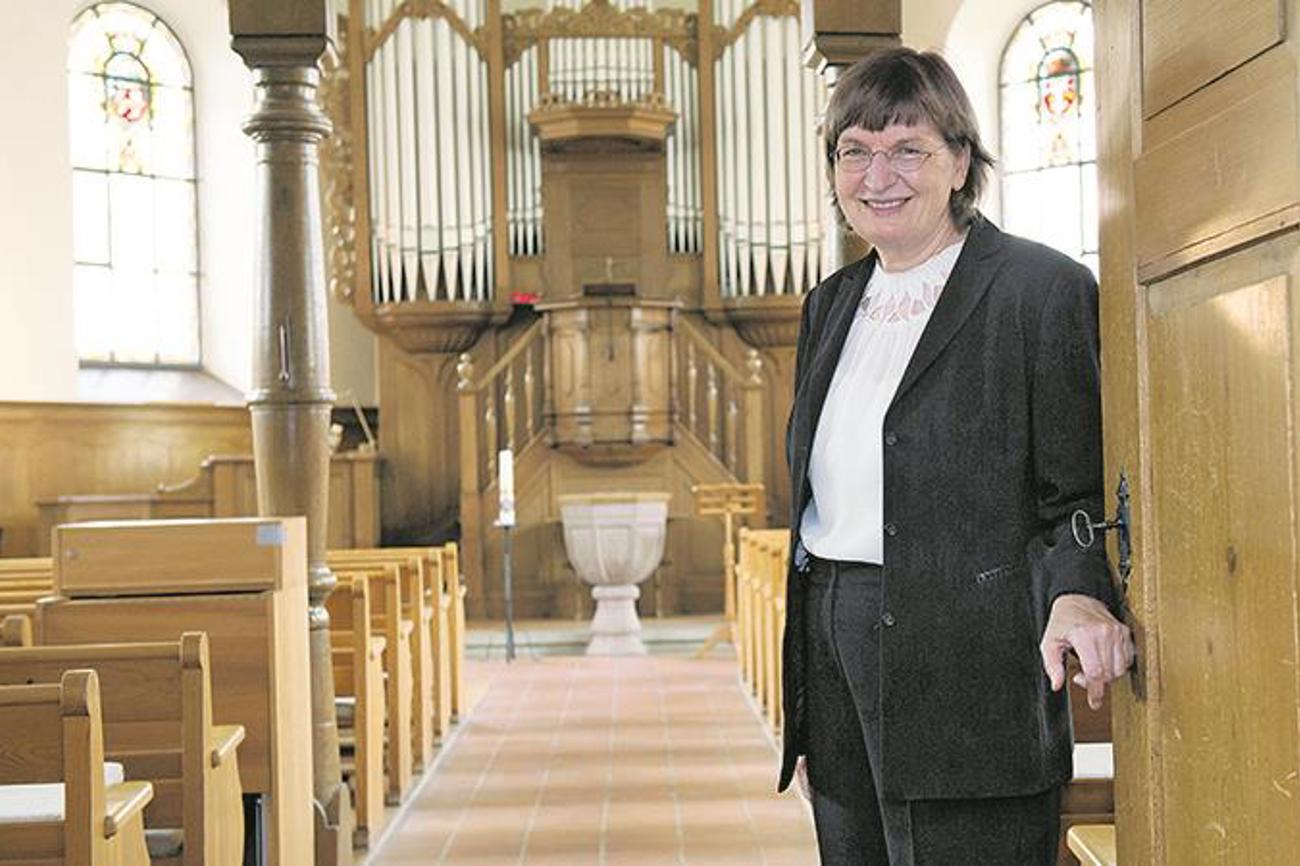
pixel 620 762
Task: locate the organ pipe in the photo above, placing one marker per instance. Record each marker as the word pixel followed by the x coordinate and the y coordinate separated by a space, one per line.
pixel 771 189
pixel 430 182
pixel 429 156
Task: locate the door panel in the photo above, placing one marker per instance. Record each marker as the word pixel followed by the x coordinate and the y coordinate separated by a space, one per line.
pixel 1224 510
pixel 1186 44
pixel 1200 257
pixel 1223 171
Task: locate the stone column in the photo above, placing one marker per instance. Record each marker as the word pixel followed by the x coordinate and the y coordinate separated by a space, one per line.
pixel 291 398
pixel 836 34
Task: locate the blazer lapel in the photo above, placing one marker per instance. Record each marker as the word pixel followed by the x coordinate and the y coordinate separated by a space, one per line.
pixel 844 306
pixel 970 278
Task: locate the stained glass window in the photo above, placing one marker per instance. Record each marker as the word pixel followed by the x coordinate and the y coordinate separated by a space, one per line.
pixel 135 233
pixel 1049 132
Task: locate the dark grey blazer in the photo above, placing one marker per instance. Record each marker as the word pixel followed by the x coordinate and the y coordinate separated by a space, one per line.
pixel 992 440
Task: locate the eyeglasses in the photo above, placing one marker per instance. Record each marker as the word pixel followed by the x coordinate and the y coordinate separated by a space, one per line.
pixel 856 158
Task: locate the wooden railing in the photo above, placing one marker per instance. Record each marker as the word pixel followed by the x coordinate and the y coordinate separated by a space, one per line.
pixel 505 403
pixel 501 409
pixel 717 404
pixel 711 402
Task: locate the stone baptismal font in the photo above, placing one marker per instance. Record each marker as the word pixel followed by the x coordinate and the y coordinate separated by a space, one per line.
pixel 615 541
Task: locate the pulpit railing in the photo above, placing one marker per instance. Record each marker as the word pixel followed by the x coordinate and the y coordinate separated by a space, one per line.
pixel 504 406
pixel 717 404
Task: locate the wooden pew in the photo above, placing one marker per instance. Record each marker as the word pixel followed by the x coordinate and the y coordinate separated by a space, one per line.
pixel 15 628
pixel 243 581
pixel 358 655
pixel 157 722
pixel 1093 844
pixel 53 734
pixel 745 551
pixel 22 581
pixel 387 618
pixel 26 565
pixel 26 598
pixel 431 645
pixel 760 582
pixel 456 592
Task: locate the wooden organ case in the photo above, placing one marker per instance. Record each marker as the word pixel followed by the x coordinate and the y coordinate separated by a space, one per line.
pixel 532 211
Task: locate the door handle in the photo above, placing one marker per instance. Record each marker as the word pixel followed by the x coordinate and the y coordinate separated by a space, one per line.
pixel 1086 530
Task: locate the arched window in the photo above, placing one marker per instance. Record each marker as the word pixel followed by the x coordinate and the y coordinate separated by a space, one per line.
pixel 1049 133
pixel 135 232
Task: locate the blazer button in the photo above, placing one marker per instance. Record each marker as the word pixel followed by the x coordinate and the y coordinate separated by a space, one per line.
pixel 887 620
pixel 891 529
pixel 891 439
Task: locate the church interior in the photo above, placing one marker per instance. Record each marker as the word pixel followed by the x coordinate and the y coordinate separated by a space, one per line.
pixel 465 326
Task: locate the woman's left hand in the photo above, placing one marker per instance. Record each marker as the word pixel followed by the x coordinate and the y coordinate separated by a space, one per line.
pixel 1103 644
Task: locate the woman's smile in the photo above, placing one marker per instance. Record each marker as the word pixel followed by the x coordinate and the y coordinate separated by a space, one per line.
pixel 902 212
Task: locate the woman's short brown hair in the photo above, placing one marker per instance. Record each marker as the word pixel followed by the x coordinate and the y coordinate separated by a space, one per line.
pixel 902 85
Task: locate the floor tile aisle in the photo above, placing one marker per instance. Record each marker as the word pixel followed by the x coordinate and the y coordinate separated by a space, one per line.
pixel 615 762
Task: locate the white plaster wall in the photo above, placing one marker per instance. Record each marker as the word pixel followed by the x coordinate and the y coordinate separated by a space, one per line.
pixel 976 35
pixel 37 356
pixel 223 97
pixel 37 340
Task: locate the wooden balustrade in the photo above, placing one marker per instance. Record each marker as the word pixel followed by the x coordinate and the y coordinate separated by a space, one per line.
pixel 481 436
pixel 718 404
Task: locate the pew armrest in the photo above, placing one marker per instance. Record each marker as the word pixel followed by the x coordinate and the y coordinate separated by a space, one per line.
pixel 1093 844
pixel 123 802
pixel 225 739
pixel 377 645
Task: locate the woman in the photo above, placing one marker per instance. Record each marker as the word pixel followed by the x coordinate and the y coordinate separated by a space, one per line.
pixel 946 425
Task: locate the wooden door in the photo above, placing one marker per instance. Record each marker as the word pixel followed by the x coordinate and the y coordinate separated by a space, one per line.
pixel 1200 254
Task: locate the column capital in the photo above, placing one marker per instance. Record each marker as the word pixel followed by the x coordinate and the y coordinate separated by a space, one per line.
pixel 280 32
pixel 840 32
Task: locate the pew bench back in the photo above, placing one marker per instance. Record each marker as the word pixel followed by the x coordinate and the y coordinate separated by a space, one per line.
pixel 52 733
pixel 156 702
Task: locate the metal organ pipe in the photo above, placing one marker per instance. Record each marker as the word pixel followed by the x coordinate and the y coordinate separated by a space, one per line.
pixel 523 158
pixel 431 203
pixel 771 188
pixel 684 207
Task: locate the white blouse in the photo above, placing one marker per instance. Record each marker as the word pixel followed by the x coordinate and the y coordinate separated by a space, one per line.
pixel 845 518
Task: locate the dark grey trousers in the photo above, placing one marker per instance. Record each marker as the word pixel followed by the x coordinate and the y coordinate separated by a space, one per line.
pixel 855 827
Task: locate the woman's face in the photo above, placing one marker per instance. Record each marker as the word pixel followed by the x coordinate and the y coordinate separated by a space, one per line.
pixel 900 210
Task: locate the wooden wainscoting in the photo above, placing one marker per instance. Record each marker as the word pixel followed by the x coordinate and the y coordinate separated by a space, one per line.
pixel 49 449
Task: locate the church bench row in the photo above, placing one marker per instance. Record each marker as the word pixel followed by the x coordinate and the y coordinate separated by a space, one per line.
pixel 52 735
pixel 419 652
pixel 388 617
pixel 421 663
pixel 761 567
pixel 156 720
pixel 244 584
pixel 26 565
pixel 760 614
pixel 428 572
pixel 357 656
